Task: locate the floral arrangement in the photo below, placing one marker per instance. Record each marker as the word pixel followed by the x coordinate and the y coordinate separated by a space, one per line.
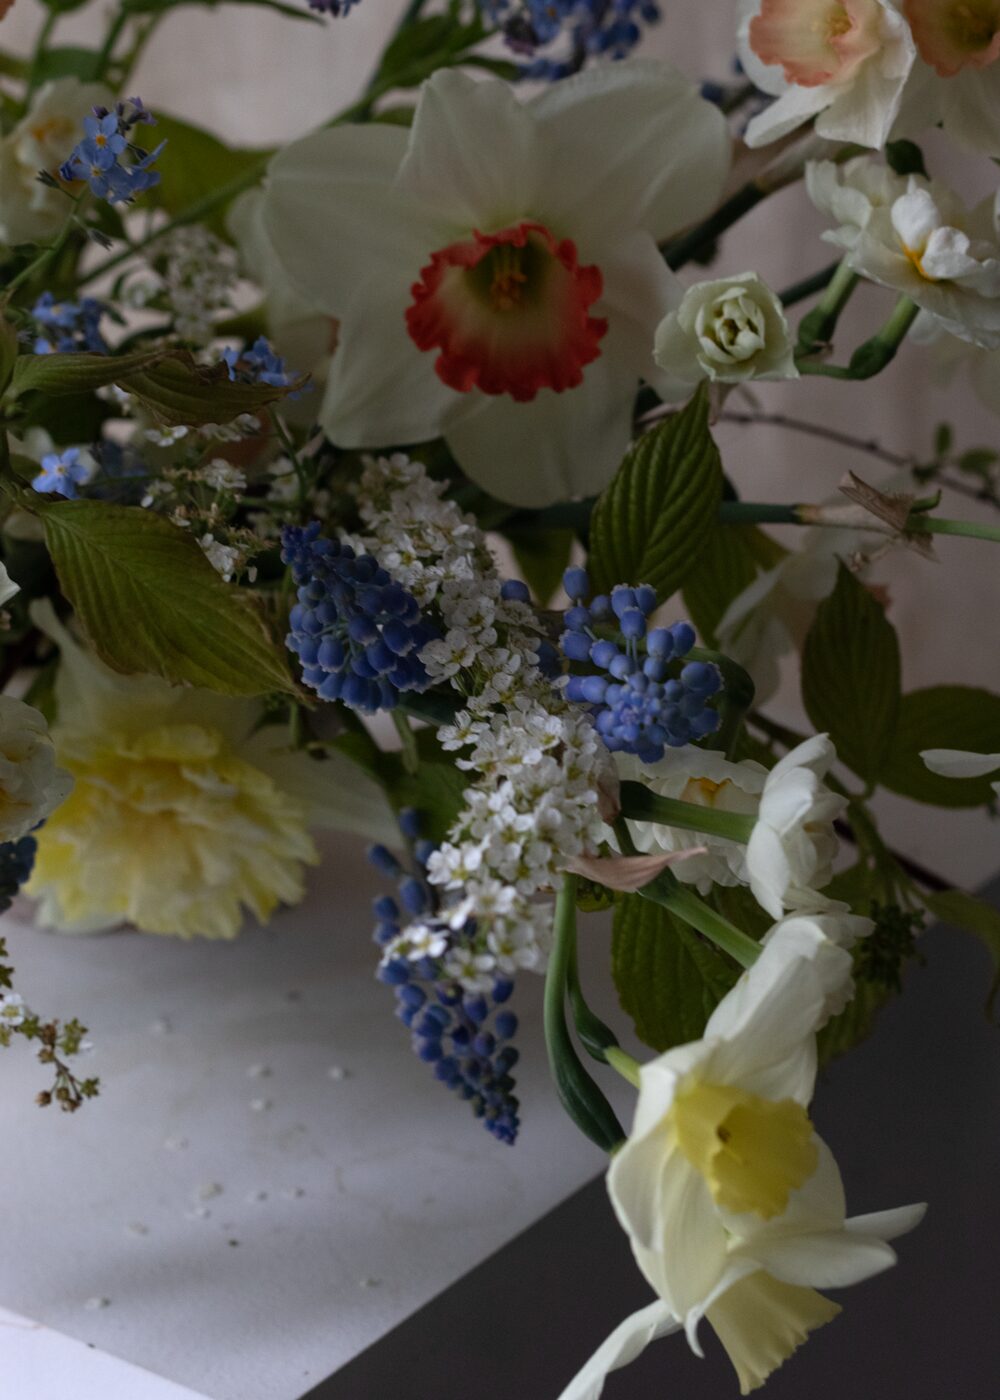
pixel 413 419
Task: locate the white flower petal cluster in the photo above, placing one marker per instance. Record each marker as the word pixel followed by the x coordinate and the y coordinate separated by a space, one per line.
pixel 728 330
pixel 915 236
pixel 31 784
pixel 791 849
pixel 707 779
pixel 31 212
pixel 536 763
pixel 199 277
pixel 843 62
pixel 733 1205
pixel 558 203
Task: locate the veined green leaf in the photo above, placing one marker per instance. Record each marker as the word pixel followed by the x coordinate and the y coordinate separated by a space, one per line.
pixel 652 523
pixel 942 717
pixel 668 979
pixel 851 676
pixel 149 601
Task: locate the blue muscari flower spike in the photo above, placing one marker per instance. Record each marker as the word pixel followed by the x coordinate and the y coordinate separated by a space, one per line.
pixel 643 697
pixel 357 632
pixel 453 1032
pixel 68 325
pixel 611 28
pixel 17 859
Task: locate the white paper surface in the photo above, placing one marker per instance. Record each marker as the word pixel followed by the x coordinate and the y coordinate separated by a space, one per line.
pixel 41 1363
pixel 345 1202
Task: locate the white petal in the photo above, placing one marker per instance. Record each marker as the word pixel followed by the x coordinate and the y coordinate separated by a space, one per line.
pixel 336 793
pixel 335 221
pixel 611 157
pixel 824 1260
pixel 794 107
pixel 472 153
pixel 690 1254
pixel 7 586
pixel 957 763
pixel 629 1339
pixel 888 1224
pixel 639 289
pixel 558 446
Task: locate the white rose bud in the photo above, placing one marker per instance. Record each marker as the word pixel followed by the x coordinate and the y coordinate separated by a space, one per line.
pixel 729 330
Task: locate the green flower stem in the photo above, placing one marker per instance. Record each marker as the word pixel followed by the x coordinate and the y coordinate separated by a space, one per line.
pixel 933 525
pixel 580 1096
pixel 817 328
pixel 49 23
pixel 626 1066
pixel 639 804
pixel 408 739
pixel 106 56
pixel 808 287
pixel 596 1038
pixel 49 254
pixel 667 891
pixel 873 355
pixel 758 513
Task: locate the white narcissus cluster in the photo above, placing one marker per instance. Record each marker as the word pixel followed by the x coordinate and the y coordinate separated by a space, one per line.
pixel 956 79
pixel 792 846
pixel 706 779
pixel 495 269
pixel 31 212
pixel 31 784
pixel 732 1203
pixel 185 814
pixel 915 236
pixel 843 62
pixel 729 329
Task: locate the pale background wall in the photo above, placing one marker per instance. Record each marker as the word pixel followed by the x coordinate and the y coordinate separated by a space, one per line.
pixel 260 79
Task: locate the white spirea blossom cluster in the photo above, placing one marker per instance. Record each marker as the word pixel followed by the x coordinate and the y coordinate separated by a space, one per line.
pixel 537 765
pixel 199 276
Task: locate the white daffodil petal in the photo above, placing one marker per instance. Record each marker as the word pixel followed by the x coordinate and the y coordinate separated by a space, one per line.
pixel 335 221
pixel 795 106
pixel 832 1259
pixel 610 157
pixel 957 763
pixel 558 446
pixel 456 121
pixel 888 1224
pixel 629 1339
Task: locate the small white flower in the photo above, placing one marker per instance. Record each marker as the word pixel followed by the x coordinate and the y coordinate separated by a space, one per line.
pixel 12 1010
pixel 920 241
pixel 790 853
pixel 221 475
pixel 224 558
pixel 165 437
pixel 730 329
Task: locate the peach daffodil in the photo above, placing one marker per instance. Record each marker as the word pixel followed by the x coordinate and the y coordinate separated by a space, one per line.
pixel 842 62
pixel 495 271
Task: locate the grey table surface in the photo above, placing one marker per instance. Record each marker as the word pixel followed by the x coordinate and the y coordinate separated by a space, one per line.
pixel 913 1114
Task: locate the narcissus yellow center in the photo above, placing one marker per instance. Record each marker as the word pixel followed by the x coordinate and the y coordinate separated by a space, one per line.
pixel 704 791
pixel 752 1152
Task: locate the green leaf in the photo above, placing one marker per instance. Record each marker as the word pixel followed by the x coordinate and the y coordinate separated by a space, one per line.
pixel 652 523
pixel 542 556
pixel 194 165
pixel 976 917
pixel 435 36
pixel 169 382
pixel 732 557
pixel 8 352
pixel 942 717
pixel 436 790
pixel 67 62
pixel 851 676
pixel 150 601
pixel 668 980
